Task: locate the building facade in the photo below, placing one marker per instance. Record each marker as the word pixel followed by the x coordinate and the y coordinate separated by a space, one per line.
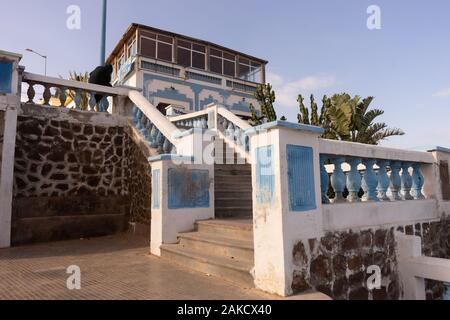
pixel 185 73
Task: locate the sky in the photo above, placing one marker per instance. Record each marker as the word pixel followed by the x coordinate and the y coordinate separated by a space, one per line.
pixel 313 47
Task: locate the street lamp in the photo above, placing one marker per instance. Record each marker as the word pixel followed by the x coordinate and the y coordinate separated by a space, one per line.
pixel 42 56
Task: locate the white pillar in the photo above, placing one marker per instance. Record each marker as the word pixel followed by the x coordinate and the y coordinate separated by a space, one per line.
pixel 176 203
pixel 287 203
pixel 9 104
pixel 409 247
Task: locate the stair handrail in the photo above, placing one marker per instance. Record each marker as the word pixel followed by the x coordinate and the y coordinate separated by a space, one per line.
pixel 164 125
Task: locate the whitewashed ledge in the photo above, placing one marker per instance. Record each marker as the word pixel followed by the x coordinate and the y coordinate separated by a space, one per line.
pixel 353 149
pixel 344 216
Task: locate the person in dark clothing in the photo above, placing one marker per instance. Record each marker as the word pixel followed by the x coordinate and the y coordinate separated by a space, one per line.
pixel 101 76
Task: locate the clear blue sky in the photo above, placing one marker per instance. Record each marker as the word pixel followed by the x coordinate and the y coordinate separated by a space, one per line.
pixel 320 47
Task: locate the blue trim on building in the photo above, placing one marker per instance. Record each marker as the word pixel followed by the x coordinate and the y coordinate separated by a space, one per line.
pixel 287 125
pixel 194 104
pixel 156 188
pixel 173 157
pixel 187 188
pixel 440 149
pixel 265 176
pixel 302 191
pixel 6 71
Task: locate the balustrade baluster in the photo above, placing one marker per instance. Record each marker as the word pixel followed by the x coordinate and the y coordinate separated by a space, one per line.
pixel 139 116
pixel 383 180
pixel 204 123
pixel 338 180
pixel 395 180
pixel 353 180
pixel 369 181
pixel 237 136
pixel 153 137
pixel 324 179
pixel 104 104
pixel 167 146
pixel 62 97
pixel 230 131
pixel 47 95
pixel 417 181
pixel 173 150
pixel 148 129
pixel 406 183
pixel 31 93
pixel 135 114
pixel 77 99
pixel 92 101
pixel 160 141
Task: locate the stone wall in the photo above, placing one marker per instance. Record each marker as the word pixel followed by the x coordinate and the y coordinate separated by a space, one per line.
pixel 2 130
pixel 60 158
pixel 140 185
pixel 336 264
pixel 72 174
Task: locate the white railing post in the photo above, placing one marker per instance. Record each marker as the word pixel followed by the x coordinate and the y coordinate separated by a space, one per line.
pixel 9 105
pixel 287 198
pixel 409 247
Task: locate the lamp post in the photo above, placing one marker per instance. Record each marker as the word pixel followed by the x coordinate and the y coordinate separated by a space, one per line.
pixel 103 35
pixel 42 56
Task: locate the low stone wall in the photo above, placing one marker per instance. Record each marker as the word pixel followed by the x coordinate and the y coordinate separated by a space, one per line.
pixel 140 185
pixel 336 264
pixel 76 169
pixel 2 130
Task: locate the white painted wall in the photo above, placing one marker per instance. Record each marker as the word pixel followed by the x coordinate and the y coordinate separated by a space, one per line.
pixel 276 228
pixel 10 104
pixel 168 223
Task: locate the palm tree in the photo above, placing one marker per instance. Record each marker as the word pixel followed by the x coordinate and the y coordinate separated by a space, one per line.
pixel 82 77
pixel 348 118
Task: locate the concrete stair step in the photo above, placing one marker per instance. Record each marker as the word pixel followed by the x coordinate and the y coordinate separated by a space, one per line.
pixel 215 245
pixel 238 202
pixel 229 269
pixel 223 193
pixel 228 228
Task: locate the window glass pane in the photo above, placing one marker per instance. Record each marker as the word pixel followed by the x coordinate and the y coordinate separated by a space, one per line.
pixel 149 34
pixel 184 44
pixel 198 60
pixel 165 38
pixel 244 61
pixel 243 71
pixel 184 57
pixel 215 64
pixel 148 48
pixel 229 56
pixel 198 47
pixel 164 51
pixel 256 64
pixel 215 52
pixel 228 68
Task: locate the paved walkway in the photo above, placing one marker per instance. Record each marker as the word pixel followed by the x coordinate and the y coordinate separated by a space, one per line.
pixel 117 267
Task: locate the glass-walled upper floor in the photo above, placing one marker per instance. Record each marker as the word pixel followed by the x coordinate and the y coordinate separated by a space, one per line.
pixel 191 54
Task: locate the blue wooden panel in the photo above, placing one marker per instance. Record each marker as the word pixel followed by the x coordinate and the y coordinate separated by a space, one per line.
pixel 156 188
pixel 6 69
pixel 188 188
pixel 302 192
pixel 265 177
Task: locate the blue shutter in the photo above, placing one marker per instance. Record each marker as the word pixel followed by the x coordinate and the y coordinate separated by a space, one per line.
pixel 265 178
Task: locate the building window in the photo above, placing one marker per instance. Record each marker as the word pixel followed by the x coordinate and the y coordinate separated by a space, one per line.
pixel 164 48
pixel 191 54
pixel 222 62
pixel 148 47
pixel 157 47
pixel 120 61
pixel 132 48
pixel 250 70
